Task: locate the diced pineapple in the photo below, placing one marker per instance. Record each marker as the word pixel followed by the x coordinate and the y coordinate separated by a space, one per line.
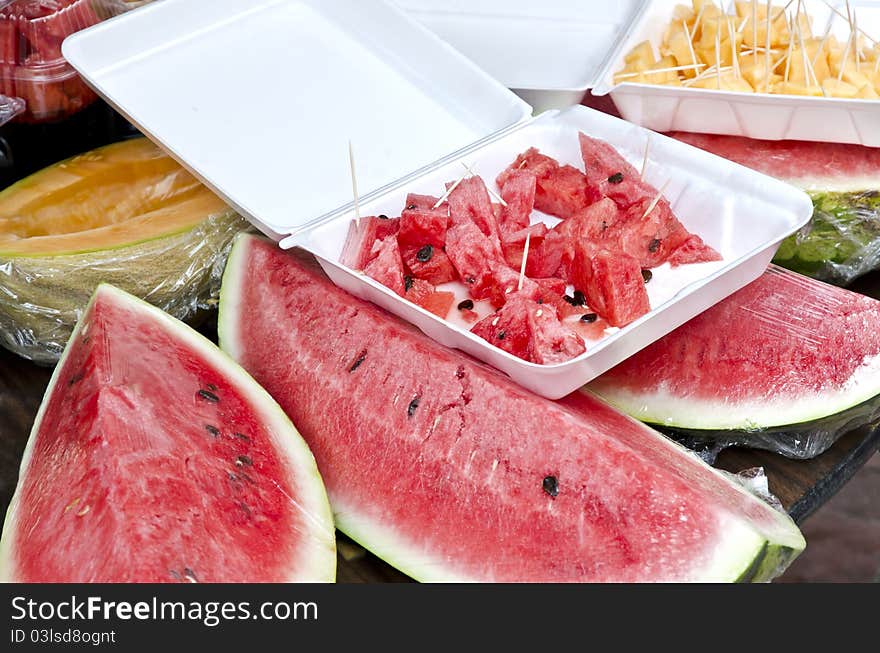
pixel 643 52
pixel 726 81
pixel 836 88
pixel 680 49
pixel 792 88
pixel 868 92
pixel 755 73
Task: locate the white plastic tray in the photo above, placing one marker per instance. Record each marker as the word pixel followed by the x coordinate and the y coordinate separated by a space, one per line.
pixel 763 116
pixel 742 214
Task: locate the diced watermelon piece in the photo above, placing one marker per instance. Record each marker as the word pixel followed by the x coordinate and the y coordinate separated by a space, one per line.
pixel 514 244
pixel 519 193
pixel 415 201
pixel 530 331
pixel 471 252
pixel 420 227
pixel 469 316
pixel 425 295
pixel 602 160
pixel 650 239
pixel 593 224
pixel 429 263
pixel 693 250
pixel 498 282
pixel 562 191
pixel 612 283
pixel 358 248
pixel 470 202
pixel 551 292
pixel 387 265
pixel 546 259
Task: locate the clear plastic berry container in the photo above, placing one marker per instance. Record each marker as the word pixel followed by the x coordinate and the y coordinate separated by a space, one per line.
pixel 32 67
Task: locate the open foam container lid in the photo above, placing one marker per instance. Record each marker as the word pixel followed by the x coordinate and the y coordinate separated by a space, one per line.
pixel 268 127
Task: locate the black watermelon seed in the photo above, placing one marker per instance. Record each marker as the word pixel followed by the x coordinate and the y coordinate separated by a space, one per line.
pixel 213 430
pixel 411 410
pixel 174 574
pixel 382 216
pixel 616 178
pixel 357 363
pixel 76 378
pixel 470 280
pixel 579 299
pixel 551 485
pixel 540 300
pixel 242 436
pixel 407 282
pixel 212 387
pixel 589 318
pixel 243 460
pixel 569 299
pixel 502 335
pixel 411 207
pixel 466 305
pixel 209 396
pixel 647 275
pixel 425 254
pixel 654 246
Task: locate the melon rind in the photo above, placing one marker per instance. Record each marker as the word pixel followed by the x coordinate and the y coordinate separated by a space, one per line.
pixel 319 561
pixel 752 550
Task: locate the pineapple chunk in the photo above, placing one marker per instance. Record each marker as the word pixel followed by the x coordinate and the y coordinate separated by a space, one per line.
pixel 727 81
pixel 793 88
pixel 868 92
pixel 642 53
pixel 835 88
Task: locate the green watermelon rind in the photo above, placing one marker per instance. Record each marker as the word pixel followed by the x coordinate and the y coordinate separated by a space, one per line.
pixel 320 563
pixel 754 552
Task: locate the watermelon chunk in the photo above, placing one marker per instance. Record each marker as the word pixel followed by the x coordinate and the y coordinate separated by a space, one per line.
pixel 545 260
pixel 514 244
pixel 652 238
pixel 612 282
pixel 471 252
pixel 386 267
pixel 420 227
pixel 611 175
pixel 423 294
pixel 451 472
pixel 155 459
pixel 429 263
pixel 594 224
pixel 470 202
pixel 507 329
pixel 692 250
pixel 418 202
pixel 357 250
pixel 519 194
pixel 561 191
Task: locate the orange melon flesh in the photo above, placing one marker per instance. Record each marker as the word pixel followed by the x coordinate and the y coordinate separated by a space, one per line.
pixel 114 196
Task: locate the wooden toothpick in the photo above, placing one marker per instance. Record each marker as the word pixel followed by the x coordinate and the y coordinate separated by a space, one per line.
pixel 687 34
pixel 522 267
pixel 491 192
pixel 354 186
pixel 645 158
pixel 656 200
pixel 836 11
pixel 450 190
pixel 767 50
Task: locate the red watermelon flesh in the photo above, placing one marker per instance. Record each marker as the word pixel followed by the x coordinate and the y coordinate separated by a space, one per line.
pixel 414 202
pixel 470 202
pixel 594 224
pixel 514 244
pixel 611 175
pixel 498 282
pixel 386 267
pixel 471 252
pixel 434 265
pixel 450 471
pixel 823 166
pixel 154 458
pixel 519 194
pixel 358 248
pixel 420 227
pixel 507 329
pixel 561 191
pixel 423 294
pixel 612 283
pixel 651 238
pixel 692 250
pixel 783 350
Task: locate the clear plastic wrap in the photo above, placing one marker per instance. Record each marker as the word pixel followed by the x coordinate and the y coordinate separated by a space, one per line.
pixel 9 108
pixel 126 214
pixel 788 364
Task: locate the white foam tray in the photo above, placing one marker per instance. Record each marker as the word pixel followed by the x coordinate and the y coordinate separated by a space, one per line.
pixel 742 214
pixel 552 53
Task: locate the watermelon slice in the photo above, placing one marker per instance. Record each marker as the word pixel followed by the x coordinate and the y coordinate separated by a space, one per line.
pixel 781 356
pixel 842 241
pixel 155 458
pixel 451 472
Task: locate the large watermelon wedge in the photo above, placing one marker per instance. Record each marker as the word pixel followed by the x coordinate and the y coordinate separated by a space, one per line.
pixel 155 458
pixel 842 241
pixel 450 472
pixel 786 363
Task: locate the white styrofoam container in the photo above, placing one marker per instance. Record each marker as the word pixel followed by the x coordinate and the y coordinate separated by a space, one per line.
pixel 552 53
pixel 755 115
pixel 414 108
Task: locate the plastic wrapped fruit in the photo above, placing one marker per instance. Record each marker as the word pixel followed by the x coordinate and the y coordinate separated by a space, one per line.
pixel 126 214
